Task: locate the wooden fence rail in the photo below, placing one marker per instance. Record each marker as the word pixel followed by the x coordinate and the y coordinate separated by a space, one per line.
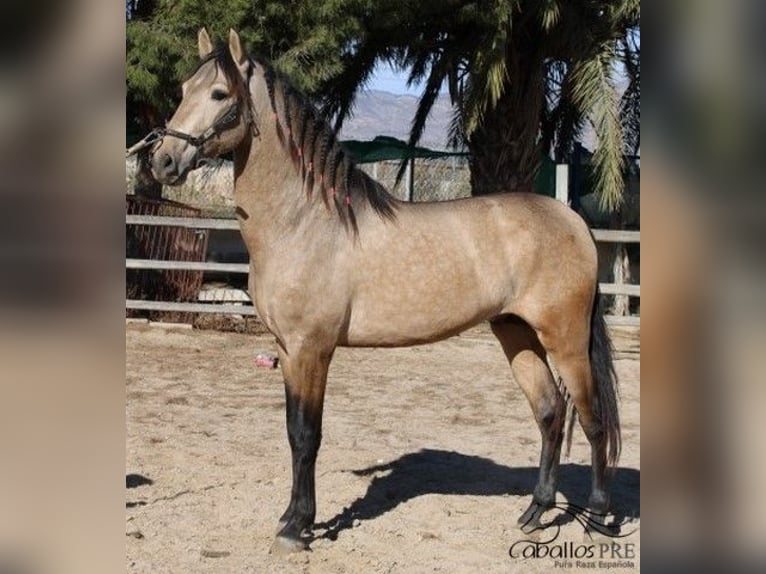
pixel 229 309
pixel 188 222
pixel 600 235
pixel 187 265
pixel 616 236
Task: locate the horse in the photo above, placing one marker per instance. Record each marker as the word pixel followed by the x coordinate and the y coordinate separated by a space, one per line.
pixel 336 261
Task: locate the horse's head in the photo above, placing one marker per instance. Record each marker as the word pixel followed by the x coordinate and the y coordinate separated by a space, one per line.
pixel 214 115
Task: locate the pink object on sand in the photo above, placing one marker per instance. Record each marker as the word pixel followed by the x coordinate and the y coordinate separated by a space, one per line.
pixel 266 360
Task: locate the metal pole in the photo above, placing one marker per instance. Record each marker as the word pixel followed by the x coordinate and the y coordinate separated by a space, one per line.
pixel 410 179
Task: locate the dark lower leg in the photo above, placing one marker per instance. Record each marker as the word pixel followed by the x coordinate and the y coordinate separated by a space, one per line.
pixel 552 433
pixel 527 358
pixel 544 495
pixel 598 502
pixel 576 372
pixel 599 496
pixel 304 423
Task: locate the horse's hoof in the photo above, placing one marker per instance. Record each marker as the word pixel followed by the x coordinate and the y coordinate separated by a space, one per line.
pixel 280 526
pixel 283 546
pixel 530 520
pixel 531 526
pixel 596 528
pixel 598 534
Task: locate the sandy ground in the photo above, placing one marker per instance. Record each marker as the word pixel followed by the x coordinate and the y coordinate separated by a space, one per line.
pixel 429 456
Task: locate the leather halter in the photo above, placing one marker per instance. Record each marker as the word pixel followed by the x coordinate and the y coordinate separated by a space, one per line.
pixel 220 125
pixel 224 122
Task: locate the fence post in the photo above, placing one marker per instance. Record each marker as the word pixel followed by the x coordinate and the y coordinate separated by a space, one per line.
pixel 562 183
pixel 621 275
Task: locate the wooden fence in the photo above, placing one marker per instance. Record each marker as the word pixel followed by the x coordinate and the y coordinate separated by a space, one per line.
pixel 601 236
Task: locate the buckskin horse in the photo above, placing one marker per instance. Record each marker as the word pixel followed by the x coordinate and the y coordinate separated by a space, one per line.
pixel 335 260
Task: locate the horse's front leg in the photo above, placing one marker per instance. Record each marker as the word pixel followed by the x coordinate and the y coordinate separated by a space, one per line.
pixel 305 372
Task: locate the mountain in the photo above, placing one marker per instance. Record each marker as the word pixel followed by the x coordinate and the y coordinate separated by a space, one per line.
pixel 379 113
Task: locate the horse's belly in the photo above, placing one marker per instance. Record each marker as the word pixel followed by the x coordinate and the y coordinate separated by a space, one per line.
pixel 429 287
pixel 405 334
pixel 413 315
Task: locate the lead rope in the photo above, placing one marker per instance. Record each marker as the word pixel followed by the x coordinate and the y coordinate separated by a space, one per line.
pixel 148 140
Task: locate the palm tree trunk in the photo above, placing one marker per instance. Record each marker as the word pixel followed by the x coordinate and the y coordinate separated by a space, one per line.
pixel 505 148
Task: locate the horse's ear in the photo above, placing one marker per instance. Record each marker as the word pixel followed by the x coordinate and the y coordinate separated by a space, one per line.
pixel 235 47
pixel 204 44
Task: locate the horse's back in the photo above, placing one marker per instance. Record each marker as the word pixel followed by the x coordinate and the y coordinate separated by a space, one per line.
pixel 550 250
pixel 516 237
pixel 440 268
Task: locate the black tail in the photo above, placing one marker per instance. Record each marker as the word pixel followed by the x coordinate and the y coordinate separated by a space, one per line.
pixel 605 384
pixel 605 381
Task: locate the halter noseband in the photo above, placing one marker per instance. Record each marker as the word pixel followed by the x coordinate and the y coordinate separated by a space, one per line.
pixel 218 127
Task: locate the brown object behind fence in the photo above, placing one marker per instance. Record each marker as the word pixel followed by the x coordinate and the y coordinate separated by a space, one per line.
pixel 164 243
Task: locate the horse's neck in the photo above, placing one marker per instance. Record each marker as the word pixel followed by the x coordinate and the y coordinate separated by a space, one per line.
pixel 271 197
pixel 265 180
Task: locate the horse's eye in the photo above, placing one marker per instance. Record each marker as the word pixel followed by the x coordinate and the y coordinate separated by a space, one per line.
pixel 219 95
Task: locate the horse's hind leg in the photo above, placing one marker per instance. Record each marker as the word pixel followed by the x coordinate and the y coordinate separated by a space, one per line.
pixel 575 370
pixel 530 370
pixel 305 371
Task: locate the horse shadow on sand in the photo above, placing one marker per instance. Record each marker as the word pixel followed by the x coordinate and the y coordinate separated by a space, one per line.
pixel 447 472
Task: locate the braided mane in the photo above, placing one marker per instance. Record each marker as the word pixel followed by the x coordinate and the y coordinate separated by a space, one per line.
pixel 312 145
pixel 315 150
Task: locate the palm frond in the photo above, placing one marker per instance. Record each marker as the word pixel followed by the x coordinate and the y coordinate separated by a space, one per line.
pixel 550 14
pixel 569 128
pixel 438 73
pixel 627 11
pixel 630 103
pixel 456 138
pixel 419 64
pixel 340 92
pixel 594 95
pixel 489 72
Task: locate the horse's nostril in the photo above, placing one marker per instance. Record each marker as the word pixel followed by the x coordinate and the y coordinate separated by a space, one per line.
pixel 164 166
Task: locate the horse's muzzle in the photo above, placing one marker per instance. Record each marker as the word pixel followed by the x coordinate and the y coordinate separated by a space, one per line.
pixel 170 165
pixel 164 168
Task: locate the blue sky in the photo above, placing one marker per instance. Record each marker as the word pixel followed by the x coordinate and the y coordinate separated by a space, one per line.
pixel 386 79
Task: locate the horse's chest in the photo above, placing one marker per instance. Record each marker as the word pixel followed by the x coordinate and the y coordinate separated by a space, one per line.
pixel 285 299
pixel 264 292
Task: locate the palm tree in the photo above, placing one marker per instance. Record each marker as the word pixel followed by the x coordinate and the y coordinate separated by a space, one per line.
pixel 525 77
